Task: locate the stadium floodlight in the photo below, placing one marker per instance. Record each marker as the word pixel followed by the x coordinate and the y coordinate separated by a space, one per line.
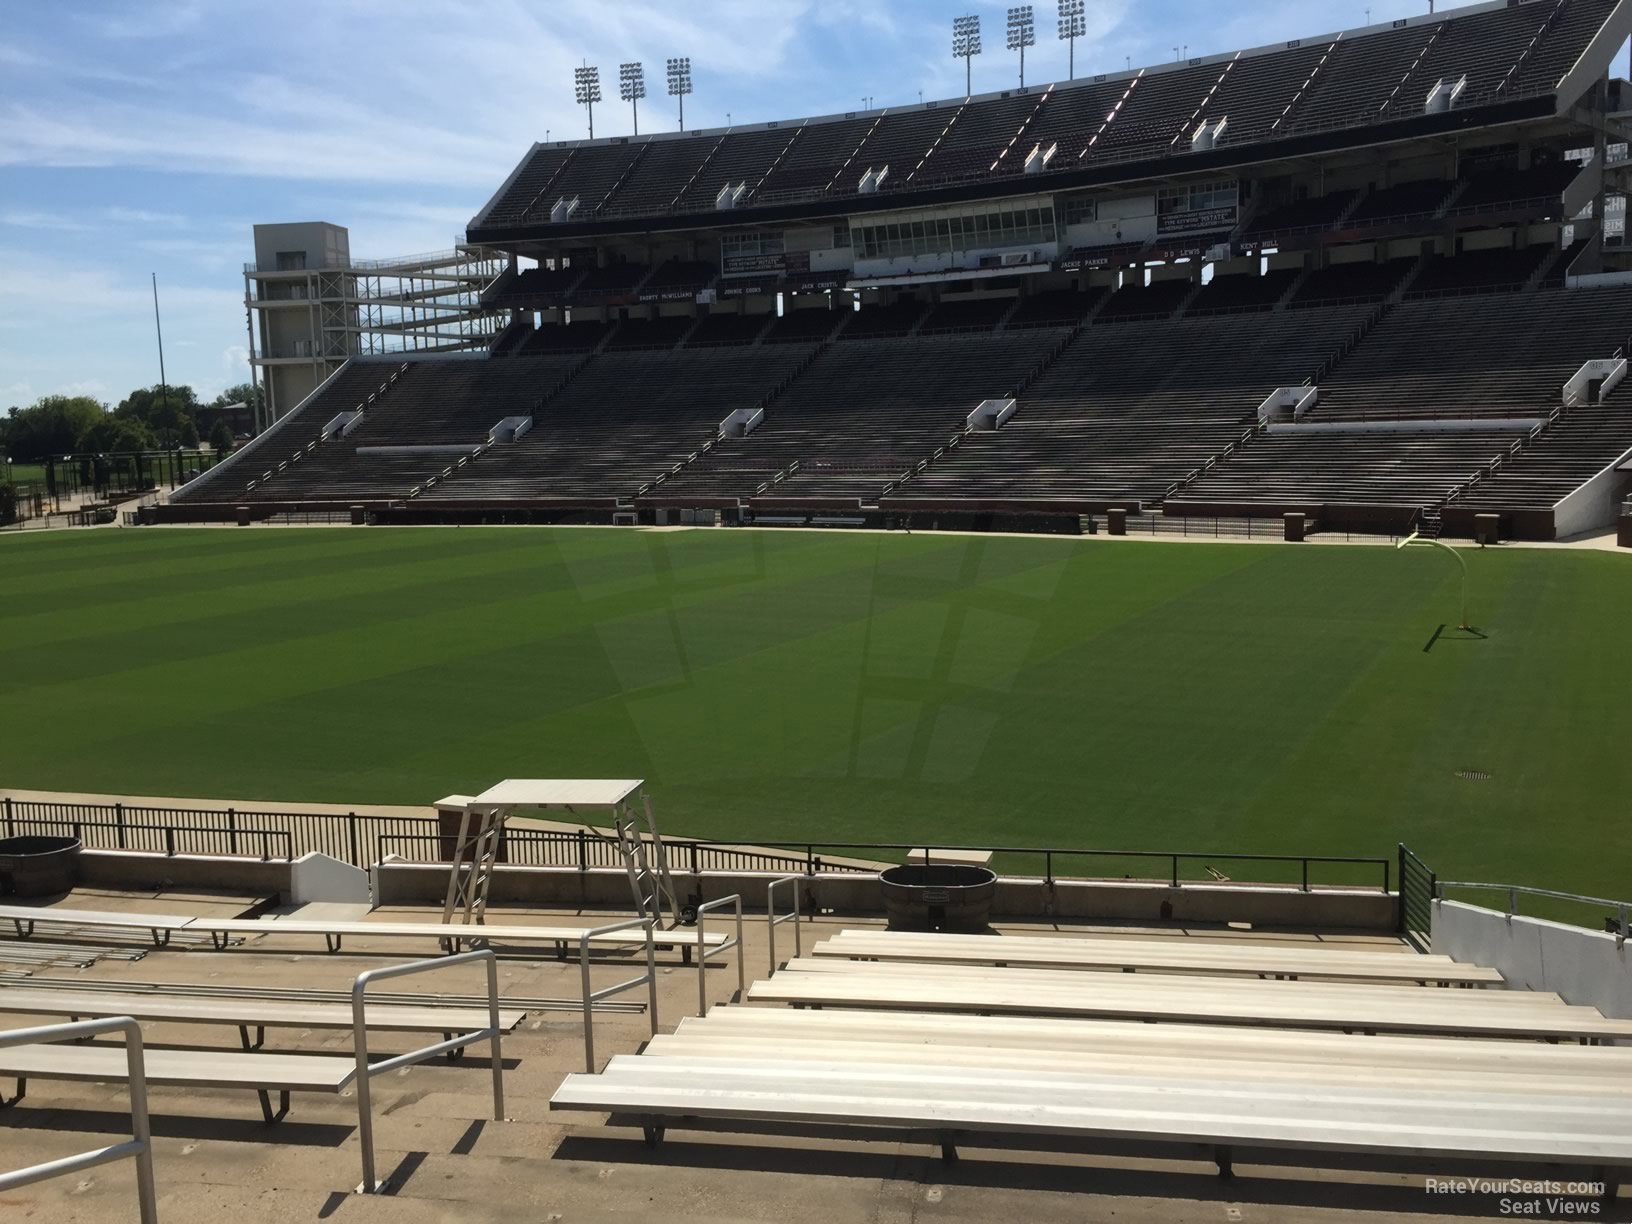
pixel 1416 539
pixel 632 88
pixel 680 83
pixel 1022 34
pixel 587 81
pixel 1073 25
pixel 965 46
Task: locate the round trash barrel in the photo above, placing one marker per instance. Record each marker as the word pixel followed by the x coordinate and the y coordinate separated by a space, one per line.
pixel 938 897
pixel 38 866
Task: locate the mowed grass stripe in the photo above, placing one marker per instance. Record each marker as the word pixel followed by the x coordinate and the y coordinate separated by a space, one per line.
pixel 856 687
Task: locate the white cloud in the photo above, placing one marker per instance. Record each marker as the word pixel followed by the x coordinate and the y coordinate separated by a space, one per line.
pixel 25 219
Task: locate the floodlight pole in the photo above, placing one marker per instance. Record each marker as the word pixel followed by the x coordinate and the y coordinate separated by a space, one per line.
pixel 1415 540
pixel 1073 25
pixel 158 330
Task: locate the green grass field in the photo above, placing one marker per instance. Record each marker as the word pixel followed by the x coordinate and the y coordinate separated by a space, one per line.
pixel 1115 695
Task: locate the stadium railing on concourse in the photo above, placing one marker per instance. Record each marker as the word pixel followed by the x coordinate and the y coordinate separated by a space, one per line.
pixel 1418 885
pixel 1615 916
pixel 351 838
pixel 168 839
pixel 363 840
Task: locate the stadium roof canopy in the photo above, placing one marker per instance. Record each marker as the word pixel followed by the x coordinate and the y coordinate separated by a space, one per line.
pixel 1429 76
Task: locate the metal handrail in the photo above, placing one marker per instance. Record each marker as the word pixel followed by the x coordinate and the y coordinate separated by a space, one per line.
pixel 1515 891
pixel 703 953
pixel 649 979
pixel 139 1147
pixel 367 1071
pixel 170 835
pixel 774 920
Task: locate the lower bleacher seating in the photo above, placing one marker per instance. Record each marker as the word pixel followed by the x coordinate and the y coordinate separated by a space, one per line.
pixel 1298 470
pixel 1125 410
pixel 624 420
pixel 864 413
pixel 1497 355
pixel 1129 408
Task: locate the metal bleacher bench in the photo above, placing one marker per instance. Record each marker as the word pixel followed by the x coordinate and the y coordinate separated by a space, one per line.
pixel 266 1073
pixel 220 930
pixel 261 1073
pixel 1129 1089
pixel 1155 955
pixel 178 1007
pixel 1348 1007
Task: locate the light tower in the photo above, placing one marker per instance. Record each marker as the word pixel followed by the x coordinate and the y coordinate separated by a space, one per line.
pixel 587 86
pixel 1073 25
pixel 632 88
pixel 965 46
pixel 1022 34
pixel 680 84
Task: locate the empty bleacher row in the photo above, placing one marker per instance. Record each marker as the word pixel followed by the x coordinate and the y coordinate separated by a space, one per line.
pixel 863 414
pixel 1496 355
pixel 1314 85
pixel 929 1037
pixel 1439 394
pixel 1129 408
pixel 624 420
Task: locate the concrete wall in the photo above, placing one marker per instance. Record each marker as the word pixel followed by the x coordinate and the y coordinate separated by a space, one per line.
pixel 1596 504
pixel 317 877
pixel 134 869
pixel 845 892
pixel 1585 967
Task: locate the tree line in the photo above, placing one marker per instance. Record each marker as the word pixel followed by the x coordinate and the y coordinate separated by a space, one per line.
pixel 149 418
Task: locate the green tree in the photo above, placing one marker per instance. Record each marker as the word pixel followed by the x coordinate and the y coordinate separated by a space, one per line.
pixel 53 425
pixel 241 393
pixel 165 411
pixel 221 436
pixel 189 434
pixel 8 503
pixel 114 435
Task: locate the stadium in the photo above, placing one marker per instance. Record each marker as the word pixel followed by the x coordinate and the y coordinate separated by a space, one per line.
pixel 1057 651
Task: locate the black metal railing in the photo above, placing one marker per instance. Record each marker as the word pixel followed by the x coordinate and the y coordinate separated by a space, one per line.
pixel 1417 890
pixel 362 840
pixel 268 845
pixel 349 837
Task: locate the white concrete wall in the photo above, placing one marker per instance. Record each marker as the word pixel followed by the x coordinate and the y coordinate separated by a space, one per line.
pixel 317 877
pixel 1595 505
pixel 1583 966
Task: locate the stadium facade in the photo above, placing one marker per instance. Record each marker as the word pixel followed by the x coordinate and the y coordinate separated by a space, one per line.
pixel 1375 279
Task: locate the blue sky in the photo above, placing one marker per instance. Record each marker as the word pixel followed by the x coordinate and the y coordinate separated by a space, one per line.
pixel 141 136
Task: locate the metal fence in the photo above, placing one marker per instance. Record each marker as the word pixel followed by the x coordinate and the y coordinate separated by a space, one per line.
pixel 351 838
pixel 362 840
pixel 1418 885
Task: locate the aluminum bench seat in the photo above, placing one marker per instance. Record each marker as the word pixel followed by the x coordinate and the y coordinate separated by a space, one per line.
pixel 1088 952
pixel 181 1008
pixel 1157 997
pixel 260 1073
pixel 1393 1123
pixel 1135 1039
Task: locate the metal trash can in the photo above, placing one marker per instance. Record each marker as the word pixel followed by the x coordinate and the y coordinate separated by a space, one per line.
pixel 938 897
